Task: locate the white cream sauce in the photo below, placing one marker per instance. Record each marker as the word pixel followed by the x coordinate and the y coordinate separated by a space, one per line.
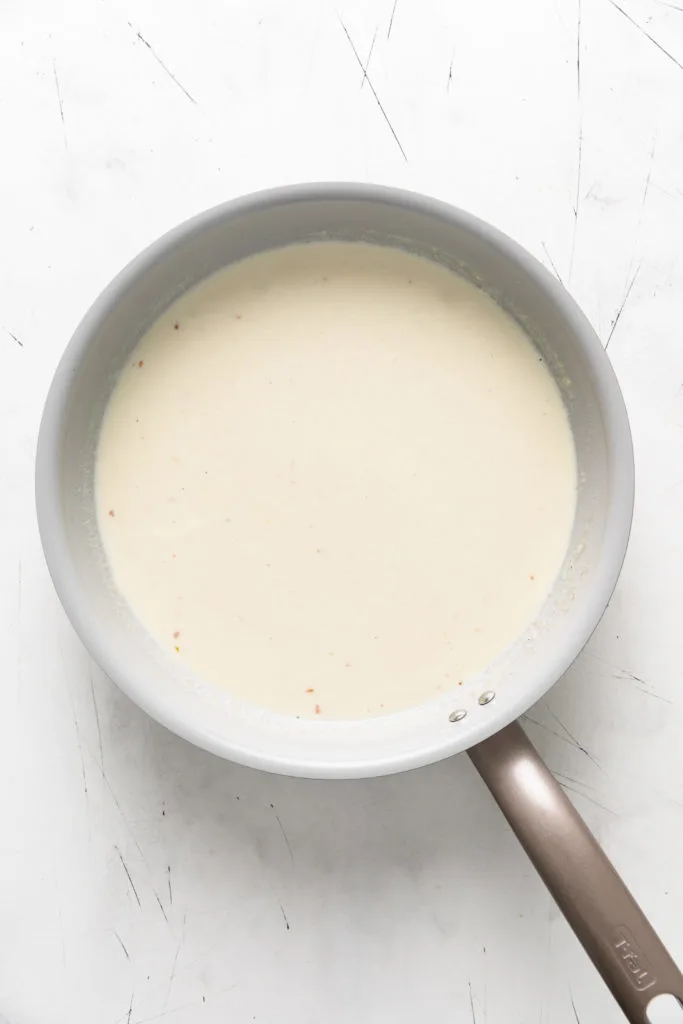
pixel 335 479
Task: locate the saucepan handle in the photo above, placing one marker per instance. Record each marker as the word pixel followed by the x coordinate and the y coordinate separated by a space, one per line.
pixel 607 920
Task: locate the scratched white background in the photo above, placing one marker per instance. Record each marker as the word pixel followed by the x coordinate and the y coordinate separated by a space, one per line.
pixel 143 880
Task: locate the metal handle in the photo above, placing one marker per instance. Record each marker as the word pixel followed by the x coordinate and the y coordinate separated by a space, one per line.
pixel 607 920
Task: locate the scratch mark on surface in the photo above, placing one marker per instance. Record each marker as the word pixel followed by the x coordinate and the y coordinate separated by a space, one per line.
pixel 474 1016
pixel 170 890
pixel 80 754
pixel 571 999
pixel 125 868
pixel 373 91
pixel 20 601
pixel 570 778
pixel 646 34
pixel 656 696
pixel 79 744
pixel 391 19
pixel 617 318
pixel 130 1008
pixel 573 739
pixel 631 278
pixel 59 101
pixel 285 918
pixel 569 739
pixel 367 63
pixel 450 72
pixel 122 945
pixel 74 718
pixel 97 715
pixel 546 728
pixel 649 177
pixel 13 337
pixel 173 968
pixel 579 153
pixel 666 192
pixel 177 1009
pixel 552 263
pixel 284 834
pixel 590 799
pixel 162 65
pixel 124 819
pixel 642 685
pixel 161 907
pixel 61 930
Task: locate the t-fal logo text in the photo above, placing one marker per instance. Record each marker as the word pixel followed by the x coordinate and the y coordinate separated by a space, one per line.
pixel 632 960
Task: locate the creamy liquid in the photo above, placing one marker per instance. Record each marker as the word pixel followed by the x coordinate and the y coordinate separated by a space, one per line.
pixel 335 479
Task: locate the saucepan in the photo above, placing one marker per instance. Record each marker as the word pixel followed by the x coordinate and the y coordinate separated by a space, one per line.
pixel 481 716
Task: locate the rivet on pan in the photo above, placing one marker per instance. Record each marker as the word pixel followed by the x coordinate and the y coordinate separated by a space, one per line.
pixel 487 697
pixel 457 716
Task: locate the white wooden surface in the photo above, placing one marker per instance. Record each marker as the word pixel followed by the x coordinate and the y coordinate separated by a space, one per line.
pixel 143 880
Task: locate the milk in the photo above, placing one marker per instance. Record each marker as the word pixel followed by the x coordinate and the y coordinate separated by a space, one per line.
pixel 336 480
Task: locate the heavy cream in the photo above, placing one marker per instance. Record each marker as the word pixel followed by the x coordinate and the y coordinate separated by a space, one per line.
pixel 335 479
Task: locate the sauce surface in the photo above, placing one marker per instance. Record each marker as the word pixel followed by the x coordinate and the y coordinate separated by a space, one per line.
pixel 335 479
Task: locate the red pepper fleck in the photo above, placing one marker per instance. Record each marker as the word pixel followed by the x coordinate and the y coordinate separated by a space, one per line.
pixel 310 690
pixel 176 634
pixel 111 512
pixel 141 363
pixel 532 577
pixel 317 709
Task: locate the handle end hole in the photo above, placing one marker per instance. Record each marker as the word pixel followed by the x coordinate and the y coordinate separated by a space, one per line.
pixel 665 1009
